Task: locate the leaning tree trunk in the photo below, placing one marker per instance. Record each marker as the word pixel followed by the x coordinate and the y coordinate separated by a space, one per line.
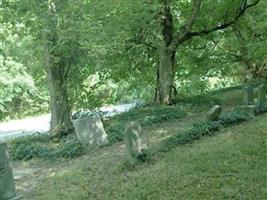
pixel 57 77
pixel 166 75
pixel 59 103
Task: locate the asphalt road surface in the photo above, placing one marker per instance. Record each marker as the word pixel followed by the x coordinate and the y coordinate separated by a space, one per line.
pixel 40 124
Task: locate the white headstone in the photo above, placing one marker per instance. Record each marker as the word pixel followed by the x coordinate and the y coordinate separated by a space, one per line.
pixel 135 140
pixel 90 131
pixel 214 113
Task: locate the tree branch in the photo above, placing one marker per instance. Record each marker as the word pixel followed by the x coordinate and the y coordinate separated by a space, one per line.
pixel 185 33
pixel 186 28
pixel 224 25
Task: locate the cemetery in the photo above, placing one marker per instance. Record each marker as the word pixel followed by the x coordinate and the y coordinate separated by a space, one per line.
pixel 133 100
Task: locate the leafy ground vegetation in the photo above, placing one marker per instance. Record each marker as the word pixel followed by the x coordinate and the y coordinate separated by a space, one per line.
pixel 47 147
pixel 184 162
pixel 229 165
pixel 178 58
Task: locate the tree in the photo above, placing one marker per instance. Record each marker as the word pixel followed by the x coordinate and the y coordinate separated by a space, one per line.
pixel 57 72
pixel 245 43
pixel 170 41
pixel 55 28
pixel 64 33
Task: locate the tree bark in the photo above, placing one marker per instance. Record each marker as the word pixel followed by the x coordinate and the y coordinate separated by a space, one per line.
pixel 166 74
pixel 59 103
pixel 165 70
pixel 57 79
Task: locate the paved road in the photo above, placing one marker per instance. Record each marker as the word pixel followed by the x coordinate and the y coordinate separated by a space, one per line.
pixel 40 125
pixel 28 126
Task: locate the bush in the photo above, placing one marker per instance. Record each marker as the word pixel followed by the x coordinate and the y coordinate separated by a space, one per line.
pixel 233 117
pixel 199 100
pixel 199 130
pixel 29 147
pixel 261 110
pixel 145 116
pixel 196 132
pixel 115 132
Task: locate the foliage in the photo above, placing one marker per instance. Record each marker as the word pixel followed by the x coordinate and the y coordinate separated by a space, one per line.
pixel 44 147
pixel 22 92
pixel 18 93
pixel 146 116
pixel 230 165
pixel 199 130
pixel 198 100
pixel 117 43
pixel 196 132
pixel 233 117
pixel 261 110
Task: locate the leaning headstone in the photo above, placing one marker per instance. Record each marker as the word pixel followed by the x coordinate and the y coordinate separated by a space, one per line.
pixel 135 140
pixel 7 184
pixel 261 96
pixel 248 98
pixel 214 113
pixel 90 131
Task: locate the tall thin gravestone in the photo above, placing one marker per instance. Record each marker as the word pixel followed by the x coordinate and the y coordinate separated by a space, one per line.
pixel 261 96
pixel 135 141
pixel 248 95
pixel 7 184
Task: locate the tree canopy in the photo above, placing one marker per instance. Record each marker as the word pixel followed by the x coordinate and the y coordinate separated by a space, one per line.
pixel 85 54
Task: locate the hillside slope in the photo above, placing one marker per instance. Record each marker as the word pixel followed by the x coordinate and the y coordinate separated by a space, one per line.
pixel 231 165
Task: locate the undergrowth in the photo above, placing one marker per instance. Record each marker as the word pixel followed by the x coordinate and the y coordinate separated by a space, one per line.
pixel 44 146
pixel 199 130
pixel 145 116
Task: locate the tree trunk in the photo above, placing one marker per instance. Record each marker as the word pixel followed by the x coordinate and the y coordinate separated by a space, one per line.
pixel 166 75
pixel 165 69
pixel 59 103
pixel 57 78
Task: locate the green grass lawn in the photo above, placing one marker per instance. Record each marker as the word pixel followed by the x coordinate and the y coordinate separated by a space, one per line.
pixel 230 165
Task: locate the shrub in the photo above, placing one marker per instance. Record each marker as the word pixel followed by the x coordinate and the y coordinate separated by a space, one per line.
pixel 196 132
pixel 199 100
pixel 260 110
pixel 145 116
pixel 29 147
pixel 115 132
pixel 233 117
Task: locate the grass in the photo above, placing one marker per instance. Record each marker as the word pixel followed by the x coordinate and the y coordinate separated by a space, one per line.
pixel 231 165
pixel 146 116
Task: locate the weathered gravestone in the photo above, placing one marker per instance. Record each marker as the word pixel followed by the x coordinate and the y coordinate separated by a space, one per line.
pixel 248 98
pixel 90 131
pixel 214 113
pixel 135 140
pixel 7 184
pixel 261 95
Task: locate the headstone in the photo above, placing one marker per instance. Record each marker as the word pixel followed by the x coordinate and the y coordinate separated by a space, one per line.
pixel 261 96
pixel 248 95
pixel 7 184
pixel 214 113
pixel 135 140
pixel 90 131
